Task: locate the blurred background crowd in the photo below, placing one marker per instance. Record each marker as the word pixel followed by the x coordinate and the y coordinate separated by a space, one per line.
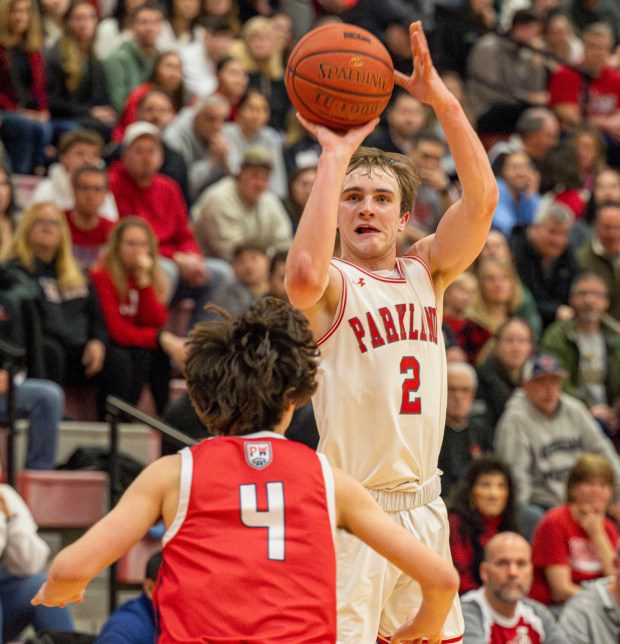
pixel 151 163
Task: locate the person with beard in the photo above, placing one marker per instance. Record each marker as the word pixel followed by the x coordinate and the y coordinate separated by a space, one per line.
pixel 499 611
pixel 588 348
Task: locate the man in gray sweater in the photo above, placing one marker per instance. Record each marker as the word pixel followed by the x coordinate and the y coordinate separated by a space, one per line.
pixel 593 615
pixel 499 610
pixel 541 433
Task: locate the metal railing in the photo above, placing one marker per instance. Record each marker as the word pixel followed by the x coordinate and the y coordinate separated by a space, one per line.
pixel 116 410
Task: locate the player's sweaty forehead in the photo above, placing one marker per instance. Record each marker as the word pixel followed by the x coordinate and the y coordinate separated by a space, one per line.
pixel 369 181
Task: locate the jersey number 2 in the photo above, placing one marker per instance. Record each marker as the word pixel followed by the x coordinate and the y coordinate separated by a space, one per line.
pixel 409 405
pixel 272 518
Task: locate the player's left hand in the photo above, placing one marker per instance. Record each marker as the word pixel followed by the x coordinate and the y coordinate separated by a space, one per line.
pixel 425 83
pixel 43 598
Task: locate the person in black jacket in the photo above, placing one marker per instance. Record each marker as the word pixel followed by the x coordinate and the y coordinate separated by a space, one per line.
pixel 544 261
pixel 73 329
pixel 500 373
pixel 76 80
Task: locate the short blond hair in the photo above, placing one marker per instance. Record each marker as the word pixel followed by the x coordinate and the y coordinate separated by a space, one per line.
pixel 589 467
pixel 398 165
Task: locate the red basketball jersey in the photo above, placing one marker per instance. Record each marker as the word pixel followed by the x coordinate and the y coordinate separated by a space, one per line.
pixel 250 556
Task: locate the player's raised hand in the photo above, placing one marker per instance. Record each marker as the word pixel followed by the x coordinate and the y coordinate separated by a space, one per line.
pixel 345 142
pixel 425 83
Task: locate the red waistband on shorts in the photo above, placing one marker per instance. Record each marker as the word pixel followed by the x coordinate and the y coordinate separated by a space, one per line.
pixel 451 640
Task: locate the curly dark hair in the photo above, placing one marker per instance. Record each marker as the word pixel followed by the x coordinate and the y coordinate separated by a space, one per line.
pixel 471 521
pixel 242 373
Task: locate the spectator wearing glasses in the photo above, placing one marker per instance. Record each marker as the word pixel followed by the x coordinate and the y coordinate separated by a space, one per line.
pixel 588 348
pixel 89 231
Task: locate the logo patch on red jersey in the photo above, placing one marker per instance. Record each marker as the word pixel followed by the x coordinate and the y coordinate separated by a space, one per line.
pixel 258 455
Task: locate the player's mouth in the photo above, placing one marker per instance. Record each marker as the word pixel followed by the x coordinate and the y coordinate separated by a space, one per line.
pixel 365 229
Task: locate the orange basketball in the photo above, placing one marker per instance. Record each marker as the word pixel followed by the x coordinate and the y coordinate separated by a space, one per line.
pixel 340 76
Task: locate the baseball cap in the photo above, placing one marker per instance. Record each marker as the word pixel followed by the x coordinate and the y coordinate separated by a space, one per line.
pixel 258 156
pixel 138 129
pixel 542 365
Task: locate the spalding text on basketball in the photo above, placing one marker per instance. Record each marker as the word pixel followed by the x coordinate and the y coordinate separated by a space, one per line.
pixel 354 75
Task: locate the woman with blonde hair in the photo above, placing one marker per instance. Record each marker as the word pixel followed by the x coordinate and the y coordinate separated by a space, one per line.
pixel 257 49
pixel 498 296
pixel 76 78
pixel 131 290
pixel 25 126
pixel 73 330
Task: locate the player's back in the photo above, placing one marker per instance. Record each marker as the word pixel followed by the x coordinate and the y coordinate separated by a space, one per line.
pixel 250 554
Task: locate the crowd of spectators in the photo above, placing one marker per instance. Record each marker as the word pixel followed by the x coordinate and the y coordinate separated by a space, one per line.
pixel 150 164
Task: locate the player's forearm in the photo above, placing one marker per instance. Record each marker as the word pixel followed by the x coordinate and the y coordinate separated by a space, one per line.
pixel 307 265
pixel 472 164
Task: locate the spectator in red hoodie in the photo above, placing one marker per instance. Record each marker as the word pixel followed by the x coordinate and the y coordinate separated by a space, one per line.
pixel 141 190
pixel 130 286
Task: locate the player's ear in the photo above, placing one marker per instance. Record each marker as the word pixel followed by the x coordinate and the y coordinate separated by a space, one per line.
pixel 403 221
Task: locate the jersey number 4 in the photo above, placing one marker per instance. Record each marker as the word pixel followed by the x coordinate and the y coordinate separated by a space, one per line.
pixel 409 405
pixel 272 518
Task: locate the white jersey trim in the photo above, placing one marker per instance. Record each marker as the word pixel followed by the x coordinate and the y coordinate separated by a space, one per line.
pixel 330 492
pixel 185 486
pixel 424 264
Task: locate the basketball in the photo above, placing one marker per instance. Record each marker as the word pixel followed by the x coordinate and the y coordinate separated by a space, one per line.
pixel 340 76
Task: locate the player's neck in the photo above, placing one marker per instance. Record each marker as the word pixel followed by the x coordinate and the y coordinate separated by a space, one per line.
pixel 373 264
pixel 503 608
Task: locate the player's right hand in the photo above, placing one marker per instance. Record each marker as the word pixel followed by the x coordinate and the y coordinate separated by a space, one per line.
pixel 344 143
pixel 416 631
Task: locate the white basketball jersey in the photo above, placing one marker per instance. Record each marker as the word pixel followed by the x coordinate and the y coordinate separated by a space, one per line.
pixel 380 405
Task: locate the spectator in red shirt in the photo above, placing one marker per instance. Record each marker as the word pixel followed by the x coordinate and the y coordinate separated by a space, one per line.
pixel 89 231
pixel 141 190
pixel 567 88
pixel 483 504
pixel 575 541
pixel 130 286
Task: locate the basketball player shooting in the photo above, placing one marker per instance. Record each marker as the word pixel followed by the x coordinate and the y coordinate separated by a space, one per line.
pixel 380 403
pixel 248 553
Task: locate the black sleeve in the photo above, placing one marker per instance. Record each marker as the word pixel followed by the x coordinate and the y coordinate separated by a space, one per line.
pixel 60 103
pixel 97 329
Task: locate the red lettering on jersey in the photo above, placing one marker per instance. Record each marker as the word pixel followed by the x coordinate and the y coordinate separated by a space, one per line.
pixel 423 337
pixel 375 337
pixel 359 332
pixel 401 309
pixel 413 335
pixel 431 319
pixel 388 323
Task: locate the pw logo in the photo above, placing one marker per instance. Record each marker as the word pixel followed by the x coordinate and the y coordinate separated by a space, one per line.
pixel 360 282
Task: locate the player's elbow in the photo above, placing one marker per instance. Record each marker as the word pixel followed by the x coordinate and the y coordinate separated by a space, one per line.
pixel 303 284
pixel 447 580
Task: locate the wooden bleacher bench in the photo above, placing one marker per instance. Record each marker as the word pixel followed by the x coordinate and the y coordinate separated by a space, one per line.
pixel 61 499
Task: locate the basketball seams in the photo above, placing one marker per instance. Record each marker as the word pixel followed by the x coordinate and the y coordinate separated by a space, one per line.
pixel 340 90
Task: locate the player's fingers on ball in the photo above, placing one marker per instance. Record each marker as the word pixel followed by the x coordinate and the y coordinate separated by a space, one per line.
pixel 400 78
